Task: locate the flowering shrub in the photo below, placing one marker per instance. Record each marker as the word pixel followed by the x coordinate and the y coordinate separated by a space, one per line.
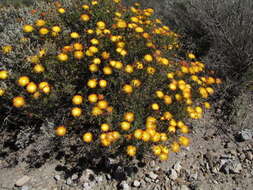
pixel 108 74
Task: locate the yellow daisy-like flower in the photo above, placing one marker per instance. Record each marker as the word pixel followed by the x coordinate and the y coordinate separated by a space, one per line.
pixel 7 49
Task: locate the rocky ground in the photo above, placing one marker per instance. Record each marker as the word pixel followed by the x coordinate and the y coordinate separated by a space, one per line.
pixel 220 157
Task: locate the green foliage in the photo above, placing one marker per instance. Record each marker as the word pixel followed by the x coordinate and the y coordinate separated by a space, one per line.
pixel 100 62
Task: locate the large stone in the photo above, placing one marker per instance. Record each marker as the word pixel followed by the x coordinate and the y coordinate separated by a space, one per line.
pixel 22 181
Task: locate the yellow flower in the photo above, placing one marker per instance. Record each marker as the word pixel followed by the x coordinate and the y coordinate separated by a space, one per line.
pixel 42 53
pixel 94 2
pixel 96 61
pixel 85 17
pixel 184 141
pixel 56 29
pixel 92 83
pixel 62 57
pixel 38 68
pixel 157 150
pixel 155 106
pixel 40 22
pixel 129 116
pixel 96 111
pixel 74 35
pixel 90 31
pixel 94 41
pixel 78 46
pixel 136 82
pixel 77 99
pixel 151 70
pixel 159 94
pixel 102 104
pixel 2 91
pixel 31 87
pixel 93 68
pixel 43 85
pixel 18 101
pixel 86 7
pixel 107 70
pixel 105 127
pixel 7 49
pixel 101 25
pixel 43 31
pixel 61 130
pixel 127 89
pixel 102 83
pixel 175 147
pixel 93 49
pixel 93 98
pixel 191 56
pixel 28 28
pixel 78 54
pixel 87 137
pixel 139 30
pixel 138 134
pixel 76 111
pixel 148 58
pixel 61 10
pixel 163 156
pixel 131 150
pixel 121 24
pixel 4 74
pixel 125 125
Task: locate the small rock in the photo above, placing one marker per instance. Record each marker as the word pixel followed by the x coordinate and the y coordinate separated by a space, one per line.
pixel 25 187
pixel 193 176
pixel 108 177
pixel 147 179
pixel 22 181
pixel 177 167
pixel 246 134
pixel 68 181
pixel 57 177
pixel 123 185
pixel 249 155
pixel 74 177
pixel 136 183
pixel 242 156
pixel 152 175
pixel 88 186
pixel 236 167
pixel 229 145
pixel 231 167
pixel 215 170
pixel 99 179
pixel 233 152
pixel 152 164
pixel 184 187
pixel 173 174
pixel 86 175
pixel 225 166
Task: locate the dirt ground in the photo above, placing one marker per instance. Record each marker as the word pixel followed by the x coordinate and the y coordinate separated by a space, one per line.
pixel 216 160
